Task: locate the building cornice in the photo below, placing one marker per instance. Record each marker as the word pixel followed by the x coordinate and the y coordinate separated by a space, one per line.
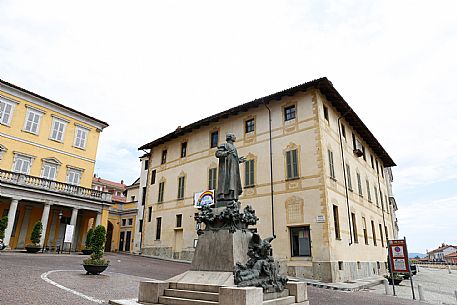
pixel 321 84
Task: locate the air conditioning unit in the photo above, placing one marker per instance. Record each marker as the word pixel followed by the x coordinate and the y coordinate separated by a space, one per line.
pixel 358 150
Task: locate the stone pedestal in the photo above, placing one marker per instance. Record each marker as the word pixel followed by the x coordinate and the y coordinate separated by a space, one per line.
pixel 150 291
pixel 221 250
pixel 240 296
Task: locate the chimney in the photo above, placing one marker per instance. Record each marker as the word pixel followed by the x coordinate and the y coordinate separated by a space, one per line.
pixel 122 181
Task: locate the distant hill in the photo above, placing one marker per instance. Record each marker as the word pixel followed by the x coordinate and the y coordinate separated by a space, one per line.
pixel 413 255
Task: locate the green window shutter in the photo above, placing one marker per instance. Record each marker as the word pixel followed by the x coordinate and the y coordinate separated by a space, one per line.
pixel 294 164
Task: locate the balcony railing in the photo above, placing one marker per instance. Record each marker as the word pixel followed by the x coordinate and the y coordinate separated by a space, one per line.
pixel 52 186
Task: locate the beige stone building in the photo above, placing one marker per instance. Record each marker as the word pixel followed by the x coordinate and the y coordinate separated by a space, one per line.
pixel 332 205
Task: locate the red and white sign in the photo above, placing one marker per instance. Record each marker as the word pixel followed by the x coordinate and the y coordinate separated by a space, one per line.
pixel 398 257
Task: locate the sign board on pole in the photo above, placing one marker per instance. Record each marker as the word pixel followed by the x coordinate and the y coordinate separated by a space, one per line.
pixel 69 230
pixel 204 198
pixel 398 255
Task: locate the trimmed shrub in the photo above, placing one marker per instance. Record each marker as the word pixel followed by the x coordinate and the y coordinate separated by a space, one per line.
pixel 3 225
pixel 89 238
pixel 36 233
pixel 97 245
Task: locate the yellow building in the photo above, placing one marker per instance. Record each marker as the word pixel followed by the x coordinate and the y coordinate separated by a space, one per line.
pixel 325 193
pixel 47 159
pixel 120 232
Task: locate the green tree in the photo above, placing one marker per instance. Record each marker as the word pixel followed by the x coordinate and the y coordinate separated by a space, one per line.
pixel 3 225
pixel 89 238
pixel 36 233
pixel 97 244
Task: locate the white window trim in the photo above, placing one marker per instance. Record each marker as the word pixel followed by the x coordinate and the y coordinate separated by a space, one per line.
pixel 50 164
pixel 13 105
pixel 3 150
pixel 59 120
pixel 36 112
pixel 86 130
pixel 76 169
pixel 21 155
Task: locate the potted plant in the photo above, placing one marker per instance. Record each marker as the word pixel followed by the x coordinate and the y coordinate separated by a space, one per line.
pixel 3 225
pixel 96 264
pixel 88 246
pixel 34 247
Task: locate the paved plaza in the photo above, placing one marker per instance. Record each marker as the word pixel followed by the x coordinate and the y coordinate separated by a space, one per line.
pixel 27 279
pixel 438 285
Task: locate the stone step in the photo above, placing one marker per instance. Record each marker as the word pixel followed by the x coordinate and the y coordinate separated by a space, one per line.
pixel 281 301
pixel 195 287
pixel 191 294
pixel 182 301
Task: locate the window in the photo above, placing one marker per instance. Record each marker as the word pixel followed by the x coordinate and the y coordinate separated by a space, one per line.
pixel 371 159
pixel 368 190
pixel 340 265
pixel 249 126
pixel 249 173
pixel 343 131
pixel 300 241
pixel 330 164
pixel 161 191
pixel 146 164
pixel 214 139
pixel 49 171
pixel 354 228
pixel 58 129
pixel 376 196
pixel 22 164
pixel 183 149
pixel 382 202
pixel 143 198
pixel 365 232
pixel 387 234
pixel 32 122
pixel 359 184
pixel 377 167
pixel 164 157
pixel 149 214
pixel 348 173
pixel 179 220
pixel 124 222
pixel 373 231
pixel 387 205
pixel 81 137
pixel 289 113
pixel 153 176
pixel 326 113
pixel 140 229
pixel 74 176
pixel 364 154
pixel 382 237
pixel 212 174
pixel 181 181
pixel 158 227
pixel 6 112
pixel 336 222
pixel 130 221
pixel 292 166
pixel 132 198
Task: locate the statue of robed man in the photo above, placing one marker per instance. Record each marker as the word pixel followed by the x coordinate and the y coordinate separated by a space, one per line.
pixel 229 181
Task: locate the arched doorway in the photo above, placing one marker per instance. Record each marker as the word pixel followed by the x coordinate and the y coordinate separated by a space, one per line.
pixel 109 237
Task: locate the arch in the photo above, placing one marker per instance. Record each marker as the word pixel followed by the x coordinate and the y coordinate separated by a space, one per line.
pixel 109 236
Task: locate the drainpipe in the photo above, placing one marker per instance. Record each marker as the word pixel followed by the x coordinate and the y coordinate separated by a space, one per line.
pixel 271 174
pixel 344 175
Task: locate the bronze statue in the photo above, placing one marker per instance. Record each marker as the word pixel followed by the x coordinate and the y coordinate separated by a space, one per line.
pixel 229 181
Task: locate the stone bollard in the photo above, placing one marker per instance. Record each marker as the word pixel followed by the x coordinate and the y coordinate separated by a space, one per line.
pixel 449 269
pixel 386 286
pixel 299 290
pixel 150 291
pixel 240 295
pixel 421 293
pixel 455 292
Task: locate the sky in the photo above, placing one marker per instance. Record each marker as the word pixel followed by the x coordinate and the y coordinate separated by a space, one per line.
pixel 147 67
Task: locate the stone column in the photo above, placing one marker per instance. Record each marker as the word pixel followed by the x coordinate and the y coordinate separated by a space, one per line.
pixel 74 217
pixel 98 220
pixel 11 217
pixel 44 221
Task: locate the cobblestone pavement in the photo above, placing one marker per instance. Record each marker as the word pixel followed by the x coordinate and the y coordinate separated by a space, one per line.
pixel 438 286
pixel 21 281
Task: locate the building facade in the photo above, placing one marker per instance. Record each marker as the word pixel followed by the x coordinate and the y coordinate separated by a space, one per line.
pixel 327 200
pixel 439 254
pixel 47 159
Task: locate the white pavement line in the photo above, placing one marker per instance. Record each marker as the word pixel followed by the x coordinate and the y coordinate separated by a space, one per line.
pixel 44 276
